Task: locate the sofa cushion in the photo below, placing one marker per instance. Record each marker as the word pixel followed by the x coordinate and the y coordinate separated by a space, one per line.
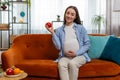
pixel 97 45
pixel 48 68
pixel 112 50
pixel 36 67
pixel 99 68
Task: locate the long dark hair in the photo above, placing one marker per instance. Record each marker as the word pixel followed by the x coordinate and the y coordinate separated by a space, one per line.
pixel 77 19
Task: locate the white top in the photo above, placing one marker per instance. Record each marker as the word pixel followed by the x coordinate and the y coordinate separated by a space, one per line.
pixel 71 42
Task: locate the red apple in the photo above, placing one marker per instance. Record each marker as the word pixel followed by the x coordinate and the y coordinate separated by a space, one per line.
pixel 9 71
pixel 48 24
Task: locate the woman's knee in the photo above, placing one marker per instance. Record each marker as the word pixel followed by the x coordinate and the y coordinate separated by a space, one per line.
pixel 61 64
pixel 72 64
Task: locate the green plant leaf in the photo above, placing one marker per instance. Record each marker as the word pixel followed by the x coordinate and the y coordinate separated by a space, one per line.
pixel 97 20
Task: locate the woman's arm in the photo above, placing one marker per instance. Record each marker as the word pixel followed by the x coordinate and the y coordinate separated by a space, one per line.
pixel 56 39
pixel 55 36
pixel 86 43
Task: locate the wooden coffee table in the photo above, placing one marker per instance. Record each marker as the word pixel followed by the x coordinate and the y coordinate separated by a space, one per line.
pixel 21 76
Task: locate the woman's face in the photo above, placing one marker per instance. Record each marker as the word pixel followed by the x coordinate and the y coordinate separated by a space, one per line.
pixel 70 15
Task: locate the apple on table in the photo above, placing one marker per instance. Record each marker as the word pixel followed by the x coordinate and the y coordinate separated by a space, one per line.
pixel 9 71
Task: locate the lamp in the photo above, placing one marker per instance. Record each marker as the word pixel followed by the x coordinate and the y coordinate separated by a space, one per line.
pixel 116 6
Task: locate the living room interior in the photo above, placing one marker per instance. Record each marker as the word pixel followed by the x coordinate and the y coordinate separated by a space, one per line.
pixel 31 18
pixel 42 12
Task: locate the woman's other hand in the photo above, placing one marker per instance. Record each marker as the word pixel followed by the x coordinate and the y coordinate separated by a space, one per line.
pixel 70 54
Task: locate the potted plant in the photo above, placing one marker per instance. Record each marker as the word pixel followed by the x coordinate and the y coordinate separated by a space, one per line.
pixel 97 21
pixel 58 17
pixel 4 4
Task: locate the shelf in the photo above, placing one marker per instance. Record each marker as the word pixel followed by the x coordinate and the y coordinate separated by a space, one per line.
pixel 4 10
pixel 19 17
pixel 17 22
pixel 57 21
pixel 18 2
pixel 4 29
pixel 3 49
pixel 57 24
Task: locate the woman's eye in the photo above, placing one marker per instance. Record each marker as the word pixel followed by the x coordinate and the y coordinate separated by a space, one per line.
pixel 73 14
pixel 67 13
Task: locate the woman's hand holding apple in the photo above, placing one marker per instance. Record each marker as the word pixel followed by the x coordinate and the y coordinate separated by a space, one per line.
pixel 48 24
pixel 49 27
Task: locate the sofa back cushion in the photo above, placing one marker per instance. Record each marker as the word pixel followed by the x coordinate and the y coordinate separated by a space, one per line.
pixel 98 42
pixel 112 50
pixel 36 46
pixel 97 45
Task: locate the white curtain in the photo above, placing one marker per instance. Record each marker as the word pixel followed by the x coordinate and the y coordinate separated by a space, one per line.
pixel 113 17
pixel 43 11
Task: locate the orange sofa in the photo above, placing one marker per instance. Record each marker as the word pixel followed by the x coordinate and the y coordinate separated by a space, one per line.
pixel 35 54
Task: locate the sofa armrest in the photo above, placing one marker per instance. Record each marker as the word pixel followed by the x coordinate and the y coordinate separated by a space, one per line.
pixel 10 58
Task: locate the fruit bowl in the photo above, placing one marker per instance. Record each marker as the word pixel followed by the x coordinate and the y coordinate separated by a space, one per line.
pixel 16 75
pixel 13 72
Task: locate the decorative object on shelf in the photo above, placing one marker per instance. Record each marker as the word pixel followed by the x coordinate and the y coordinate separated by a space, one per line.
pixel 58 17
pixel 3 7
pixel 22 13
pixel 21 20
pixel 4 4
pixel 14 19
pixel 4 26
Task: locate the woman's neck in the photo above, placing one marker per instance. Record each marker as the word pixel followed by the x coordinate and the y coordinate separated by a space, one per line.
pixel 69 24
